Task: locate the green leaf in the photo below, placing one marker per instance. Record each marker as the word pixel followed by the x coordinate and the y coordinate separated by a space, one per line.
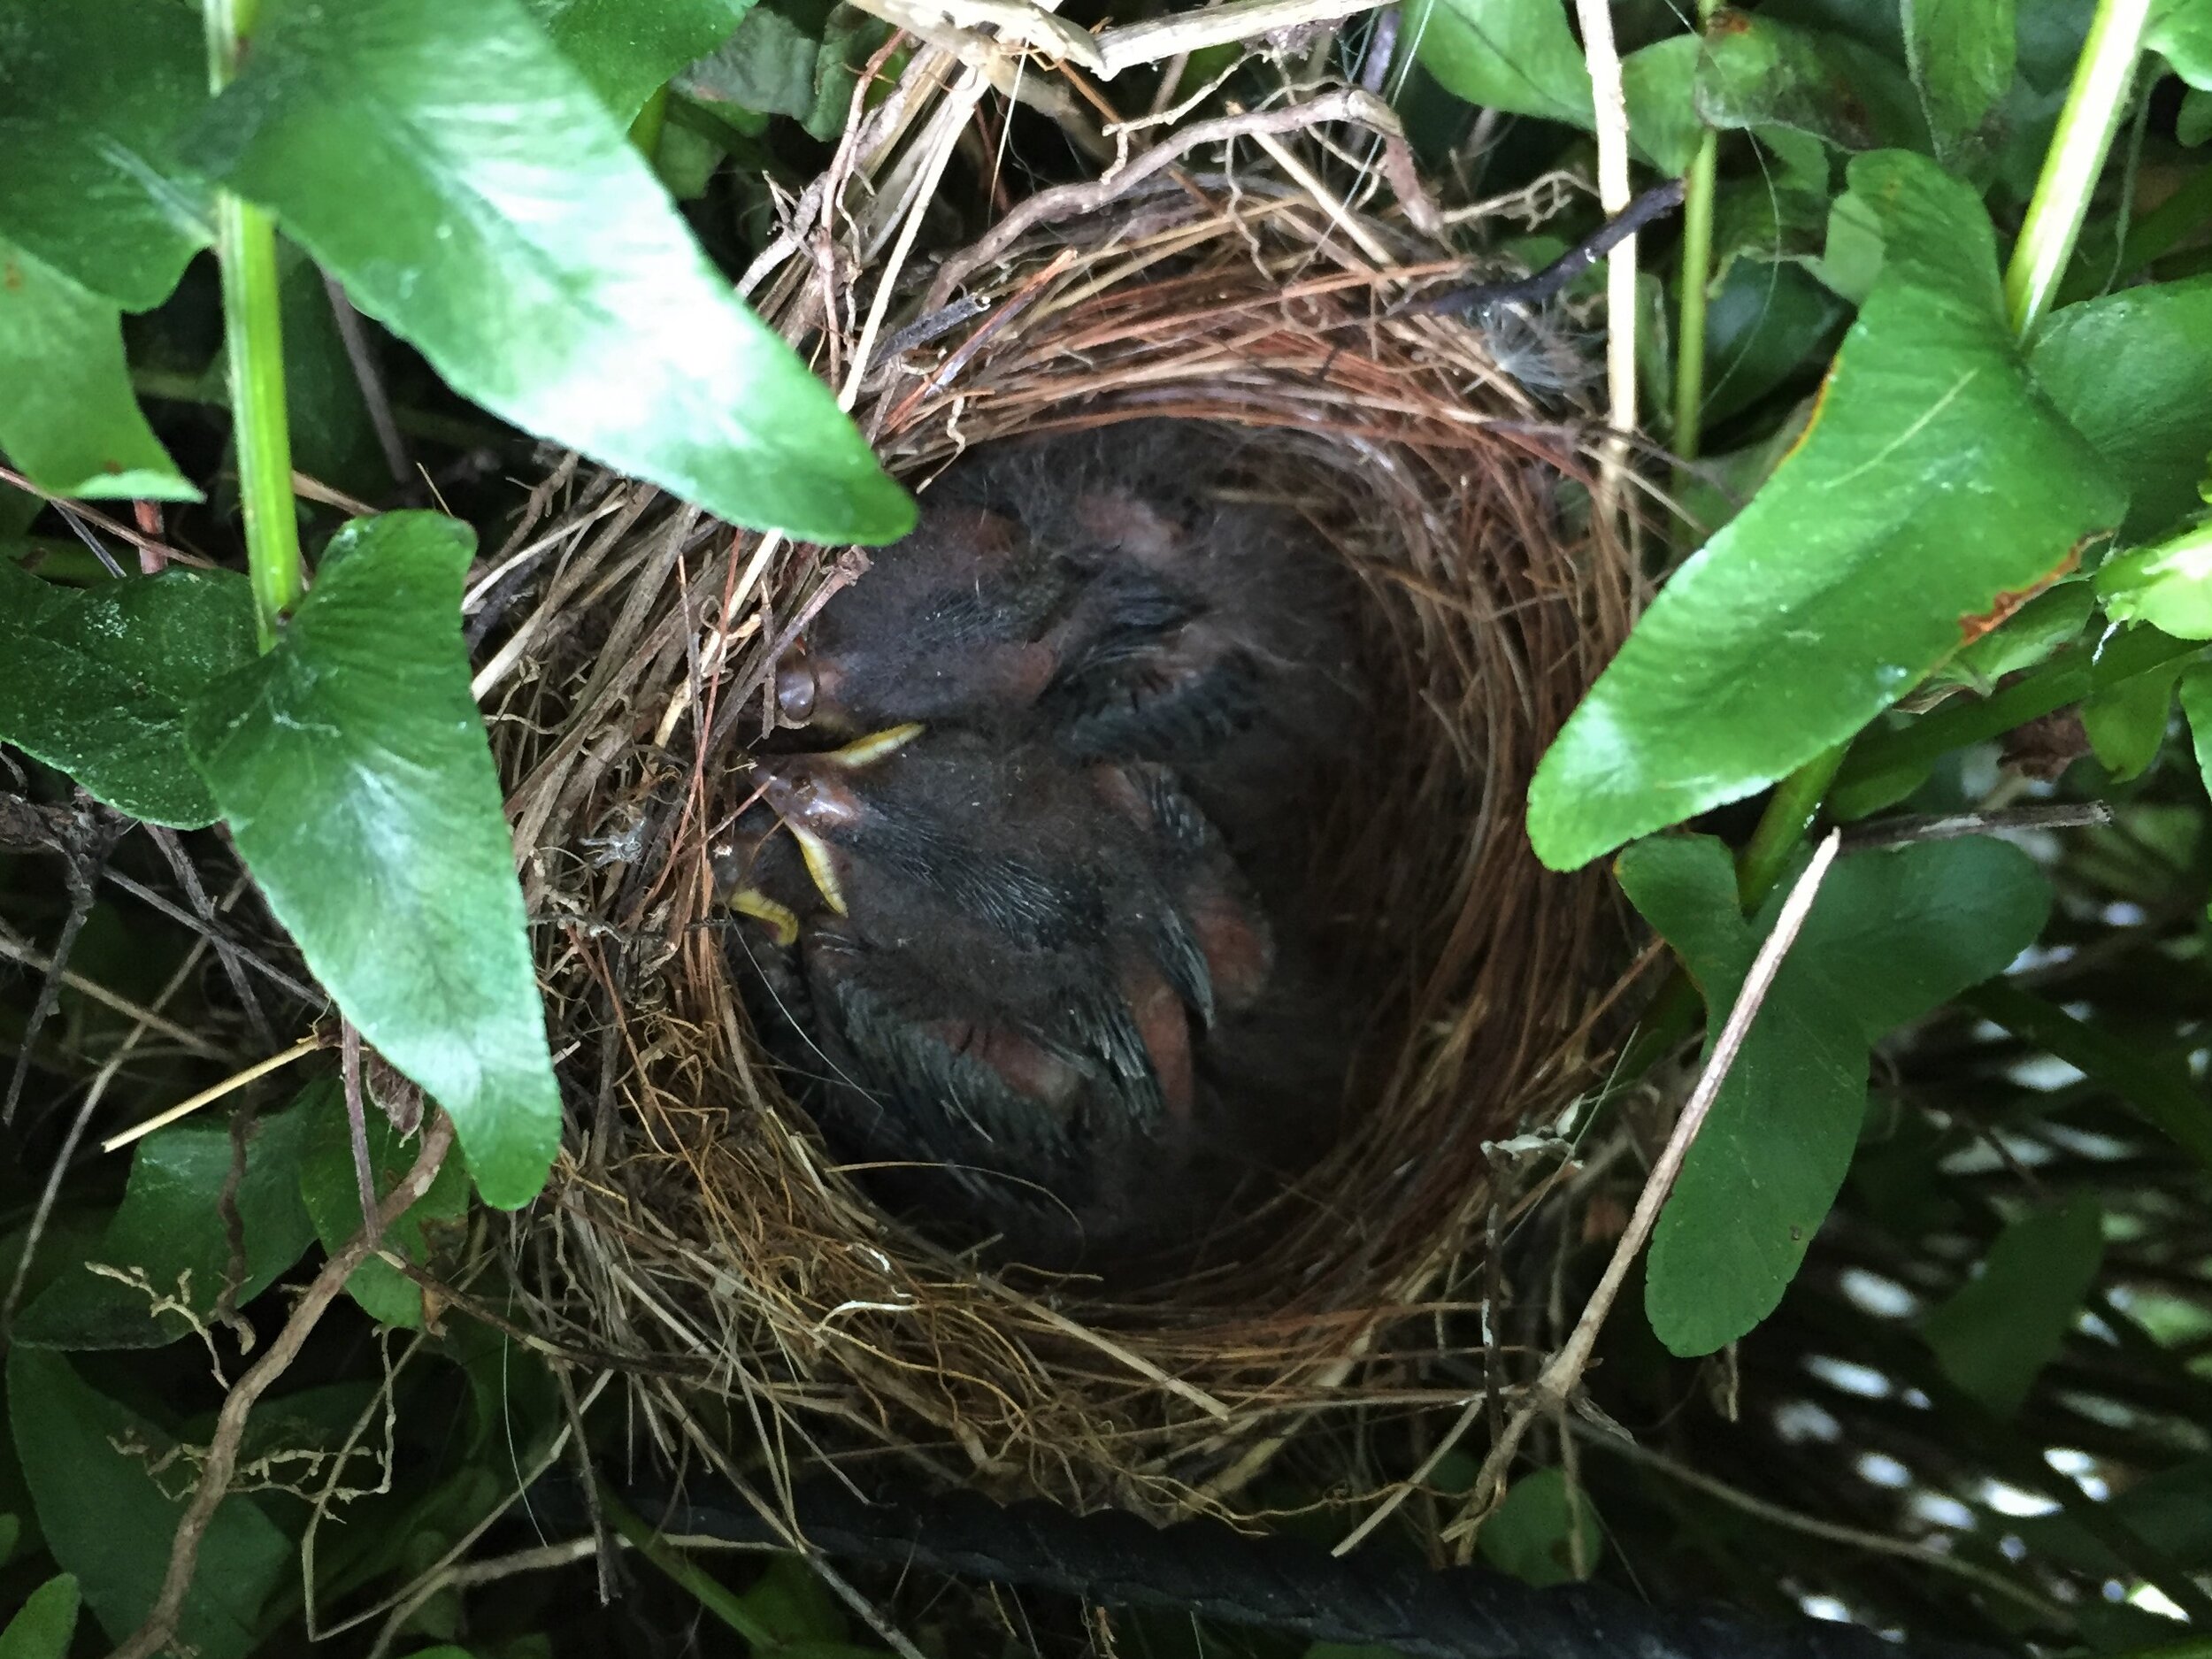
pixel 1755 72
pixel 110 1521
pixel 468 187
pixel 353 769
pixel 1961 53
pixel 2127 724
pixel 2133 373
pixel 11 1534
pixel 626 50
pixel 1893 935
pixel 332 1193
pixel 1897 934
pixel 1932 481
pixel 1764 324
pixel 41 1629
pixel 2168 586
pixel 2180 31
pixel 2052 619
pixel 96 682
pixel 2196 708
pixel 1657 81
pixel 98 91
pixel 169 1234
pixel 1542 1531
pixel 768 66
pixel 1851 259
pixel 1517 56
pixel 2001 1328
pixel 69 420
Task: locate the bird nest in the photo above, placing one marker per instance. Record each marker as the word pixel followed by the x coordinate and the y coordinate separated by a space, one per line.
pixel 698 1238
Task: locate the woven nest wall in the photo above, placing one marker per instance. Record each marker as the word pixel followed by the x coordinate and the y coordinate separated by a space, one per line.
pixel 698 1239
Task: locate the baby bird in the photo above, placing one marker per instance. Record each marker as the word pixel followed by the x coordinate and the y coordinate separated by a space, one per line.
pixel 1007 966
pixel 1098 588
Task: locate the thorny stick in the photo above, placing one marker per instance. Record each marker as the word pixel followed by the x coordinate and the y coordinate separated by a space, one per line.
pixel 230 1423
pixel 1556 1383
pixel 1546 284
pixel 85 853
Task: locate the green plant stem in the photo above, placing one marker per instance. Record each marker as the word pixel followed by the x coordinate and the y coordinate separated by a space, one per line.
pixel 2075 159
pixel 1790 812
pixel 253 343
pixel 700 1585
pixel 2067 678
pixel 1698 186
pixel 2163 1100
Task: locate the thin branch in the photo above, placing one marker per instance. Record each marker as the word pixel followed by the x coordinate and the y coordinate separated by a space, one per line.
pixel 226 953
pixel 230 1423
pixel 1556 1385
pixel 1068 201
pixel 362 355
pixel 259 1069
pixel 16 950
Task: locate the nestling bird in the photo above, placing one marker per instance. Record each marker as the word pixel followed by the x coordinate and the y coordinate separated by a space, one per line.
pixel 1010 961
pixel 1101 589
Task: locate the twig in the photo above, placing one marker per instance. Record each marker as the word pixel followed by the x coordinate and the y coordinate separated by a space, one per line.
pixel 1813 1526
pixel 226 953
pixel 16 950
pixel 237 1080
pixel 52 1189
pixel 1068 201
pixel 357 1124
pixel 1899 831
pixel 359 354
pixel 84 852
pixel 183 918
pixel 1546 284
pixel 1553 1387
pixel 1185 32
pixel 137 538
pixel 1596 18
pixel 230 1423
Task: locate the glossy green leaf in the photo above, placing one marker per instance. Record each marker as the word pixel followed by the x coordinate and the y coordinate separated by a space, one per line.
pixel 1899 932
pixel 2167 584
pixel 353 769
pixel 2127 724
pixel 108 1520
pixel 1893 935
pixel 10 1530
pixel 2052 619
pixel 167 1246
pixel 1851 259
pixel 2133 373
pixel 97 94
pixel 1933 481
pixel 1961 53
pixel 332 1190
pixel 68 419
pixel 1755 72
pixel 96 682
pixel 476 197
pixel 625 50
pixel 2003 1326
pixel 42 1626
pixel 1517 56
pixel 1545 1533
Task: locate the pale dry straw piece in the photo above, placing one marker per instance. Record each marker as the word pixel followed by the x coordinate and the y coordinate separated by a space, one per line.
pixel 696 1235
